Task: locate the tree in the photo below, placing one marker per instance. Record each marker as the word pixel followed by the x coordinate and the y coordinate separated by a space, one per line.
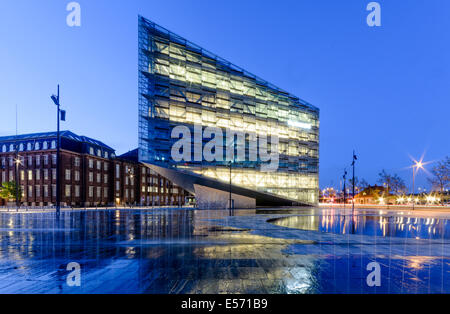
pixel 359 185
pixel 363 184
pixel 392 182
pixel 8 191
pixel 441 175
pixel 350 182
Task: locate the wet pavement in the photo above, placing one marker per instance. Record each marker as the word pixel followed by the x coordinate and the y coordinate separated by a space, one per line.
pixel 251 251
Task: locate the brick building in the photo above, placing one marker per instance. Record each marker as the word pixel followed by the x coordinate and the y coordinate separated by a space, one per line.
pixel 90 173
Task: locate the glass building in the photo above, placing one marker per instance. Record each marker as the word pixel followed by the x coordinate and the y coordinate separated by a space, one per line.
pixel 181 83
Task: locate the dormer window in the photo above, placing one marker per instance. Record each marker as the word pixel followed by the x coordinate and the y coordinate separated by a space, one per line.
pixel 45 145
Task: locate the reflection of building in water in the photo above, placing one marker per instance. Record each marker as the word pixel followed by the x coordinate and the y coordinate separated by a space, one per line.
pixel 300 222
pixel 28 235
pixel 372 225
pixel 158 252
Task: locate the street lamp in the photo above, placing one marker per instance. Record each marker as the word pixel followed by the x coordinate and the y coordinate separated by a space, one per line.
pixel 17 162
pixel 60 115
pixel 231 146
pixel 417 165
pixel 345 179
pixel 353 183
pixel 130 172
pixel 231 198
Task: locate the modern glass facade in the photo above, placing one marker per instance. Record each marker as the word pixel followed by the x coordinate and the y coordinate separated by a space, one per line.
pixel 181 83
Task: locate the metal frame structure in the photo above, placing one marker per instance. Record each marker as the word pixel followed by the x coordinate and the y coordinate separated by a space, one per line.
pixel 181 83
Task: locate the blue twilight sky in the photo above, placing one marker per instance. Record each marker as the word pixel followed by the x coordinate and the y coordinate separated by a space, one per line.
pixel 383 91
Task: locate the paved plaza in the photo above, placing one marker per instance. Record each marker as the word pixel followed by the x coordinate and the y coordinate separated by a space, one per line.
pixel 291 250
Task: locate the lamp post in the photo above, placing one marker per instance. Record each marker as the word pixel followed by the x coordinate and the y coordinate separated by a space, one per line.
pixel 131 175
pixel 353 182
pixel 386 187
pixel 17 162
pixel 345 178
pixel 418 165
pixel 231 148
pixel 231 199
pixel 60 115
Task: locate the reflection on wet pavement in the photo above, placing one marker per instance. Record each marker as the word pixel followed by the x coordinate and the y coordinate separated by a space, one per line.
pixel 191 251
pixel 372 225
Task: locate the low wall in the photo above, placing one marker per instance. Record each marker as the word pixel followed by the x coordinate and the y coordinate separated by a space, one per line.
pixel 209 198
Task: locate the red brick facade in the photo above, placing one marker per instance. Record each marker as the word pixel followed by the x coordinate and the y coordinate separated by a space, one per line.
pixel 87 180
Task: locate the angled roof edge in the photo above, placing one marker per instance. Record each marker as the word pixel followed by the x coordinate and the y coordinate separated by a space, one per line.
pixel 232 66
pixel 66 134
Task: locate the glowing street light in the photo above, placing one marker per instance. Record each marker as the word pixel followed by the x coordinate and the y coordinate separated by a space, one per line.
pixel 417 165
pixel 18 162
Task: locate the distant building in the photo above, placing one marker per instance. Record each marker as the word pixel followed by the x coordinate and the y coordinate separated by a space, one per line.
pixel 90 174
pixel 372 195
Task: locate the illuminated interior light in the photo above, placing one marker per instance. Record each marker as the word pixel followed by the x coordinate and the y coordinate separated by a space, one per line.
pixel 299 124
